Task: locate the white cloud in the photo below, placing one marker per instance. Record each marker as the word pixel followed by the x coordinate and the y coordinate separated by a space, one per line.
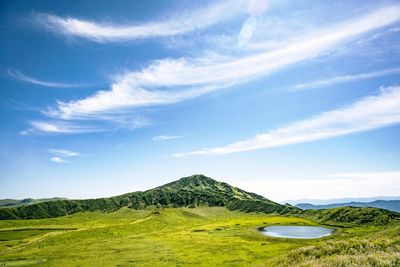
pixel 58 160
pixel 60 127
pixel 24 78
pixel 109 122
pixel 173 80
pixel 61 154
pixel 166 137
pixel 339 186
pixel 175 25
pixel 366 114
pixel 64 153
pixel 345 78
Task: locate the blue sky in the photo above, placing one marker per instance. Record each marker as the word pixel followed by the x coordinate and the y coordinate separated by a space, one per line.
pixel 288 99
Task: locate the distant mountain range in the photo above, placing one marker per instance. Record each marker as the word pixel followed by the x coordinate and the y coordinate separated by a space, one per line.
pixel 392 205
pixel 339 200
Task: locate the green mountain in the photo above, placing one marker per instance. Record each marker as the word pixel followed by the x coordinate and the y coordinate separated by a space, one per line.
pixel 196 190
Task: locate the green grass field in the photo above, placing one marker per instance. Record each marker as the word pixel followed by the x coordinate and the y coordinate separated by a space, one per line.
pixel 182 236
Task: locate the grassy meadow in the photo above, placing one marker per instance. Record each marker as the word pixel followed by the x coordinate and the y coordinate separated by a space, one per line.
pixel 201 236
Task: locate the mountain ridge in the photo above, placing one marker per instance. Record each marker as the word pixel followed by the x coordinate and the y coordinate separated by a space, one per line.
pixel 189 191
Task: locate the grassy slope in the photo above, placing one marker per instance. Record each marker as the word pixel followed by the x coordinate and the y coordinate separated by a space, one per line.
pixel 182 236
pixel 367 246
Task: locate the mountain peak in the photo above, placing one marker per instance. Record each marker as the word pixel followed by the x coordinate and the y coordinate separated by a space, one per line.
pixel 197 180
pixel 193 181
pixel 197 177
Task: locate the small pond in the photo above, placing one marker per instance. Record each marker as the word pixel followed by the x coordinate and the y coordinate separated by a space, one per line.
pixel 287 231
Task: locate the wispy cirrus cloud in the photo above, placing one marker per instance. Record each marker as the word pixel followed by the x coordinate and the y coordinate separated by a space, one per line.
pixel 60 127
pixel 58 160
pixel 27 79
pixel 174 80
pixel 369 113
pixel 64 153
pixel 178 24
pixel 166 137
pixel 344 78
pixel 109 122
pixel 60 155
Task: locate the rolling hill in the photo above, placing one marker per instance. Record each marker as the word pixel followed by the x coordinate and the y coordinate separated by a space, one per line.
pixel 392 205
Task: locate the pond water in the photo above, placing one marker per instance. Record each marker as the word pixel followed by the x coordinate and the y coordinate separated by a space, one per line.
pixel 287 231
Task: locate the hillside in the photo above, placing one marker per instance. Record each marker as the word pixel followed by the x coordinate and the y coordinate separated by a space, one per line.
pixel 196 190
pixel 9 203
pixel 392 205
pixel 353 216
